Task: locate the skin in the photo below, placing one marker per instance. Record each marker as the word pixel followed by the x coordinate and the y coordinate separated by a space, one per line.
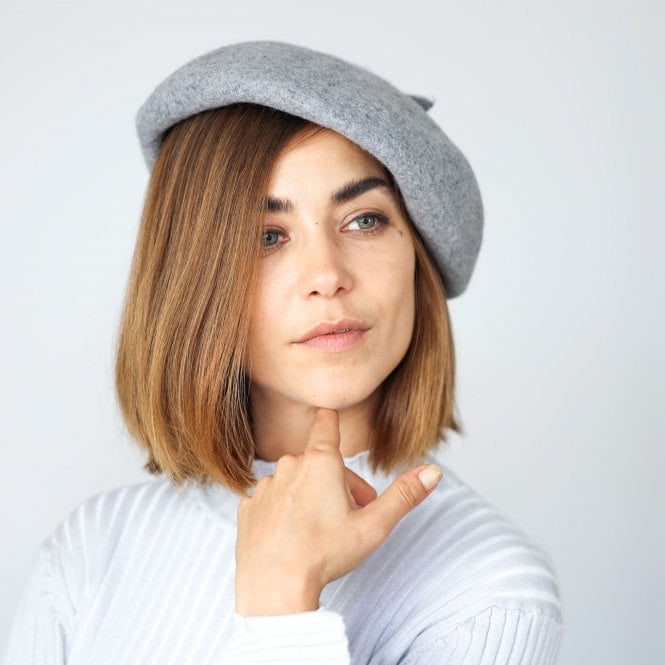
pixel 322 262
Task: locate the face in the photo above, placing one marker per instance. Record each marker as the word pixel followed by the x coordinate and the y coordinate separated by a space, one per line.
pixel 334 309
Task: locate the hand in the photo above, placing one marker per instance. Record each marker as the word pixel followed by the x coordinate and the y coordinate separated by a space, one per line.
pixel 312 522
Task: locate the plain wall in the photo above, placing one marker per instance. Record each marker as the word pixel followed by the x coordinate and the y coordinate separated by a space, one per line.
pixel 558 106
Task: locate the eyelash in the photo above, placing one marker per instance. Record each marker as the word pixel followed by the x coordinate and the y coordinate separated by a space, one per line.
pixel 381 219
pixel 381 222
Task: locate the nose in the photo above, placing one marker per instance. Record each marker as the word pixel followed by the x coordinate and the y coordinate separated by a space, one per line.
pixel 323 270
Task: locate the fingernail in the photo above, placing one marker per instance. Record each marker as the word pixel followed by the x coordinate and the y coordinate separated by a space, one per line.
pixel 430 476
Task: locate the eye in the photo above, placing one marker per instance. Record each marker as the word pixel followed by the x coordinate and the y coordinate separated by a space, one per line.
pixel 367 222
pixel 270 238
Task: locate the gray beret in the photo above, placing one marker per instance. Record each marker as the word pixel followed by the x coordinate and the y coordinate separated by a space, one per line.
pixel 435 179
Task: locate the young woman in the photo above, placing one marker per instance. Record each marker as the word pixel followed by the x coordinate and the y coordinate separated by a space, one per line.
pixel 286 359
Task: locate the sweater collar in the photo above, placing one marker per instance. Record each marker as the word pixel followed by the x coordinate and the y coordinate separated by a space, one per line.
pixel 358 463
pixel 224 502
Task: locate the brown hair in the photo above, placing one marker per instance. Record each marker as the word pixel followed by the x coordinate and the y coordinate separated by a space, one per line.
pixel 181 354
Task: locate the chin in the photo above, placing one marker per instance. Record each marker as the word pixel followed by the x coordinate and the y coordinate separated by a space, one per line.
pixel 338 388
pixel 338 400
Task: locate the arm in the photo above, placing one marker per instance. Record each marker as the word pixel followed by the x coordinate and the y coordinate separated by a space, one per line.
pixel 317 636
pixel 496 636
pixel 42 625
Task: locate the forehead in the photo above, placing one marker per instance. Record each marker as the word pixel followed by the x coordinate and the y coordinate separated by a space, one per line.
pixel 325 150
pixel 325 164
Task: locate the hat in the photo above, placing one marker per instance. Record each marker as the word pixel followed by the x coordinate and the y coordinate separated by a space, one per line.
pixel 435 179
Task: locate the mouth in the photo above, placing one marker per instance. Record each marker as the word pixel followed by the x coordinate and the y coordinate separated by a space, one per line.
pixel 336 335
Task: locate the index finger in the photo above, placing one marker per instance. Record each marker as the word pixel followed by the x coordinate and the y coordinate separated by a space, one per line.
pixel 325 430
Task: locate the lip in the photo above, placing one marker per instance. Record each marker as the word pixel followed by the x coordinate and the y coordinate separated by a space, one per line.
pixel 323 336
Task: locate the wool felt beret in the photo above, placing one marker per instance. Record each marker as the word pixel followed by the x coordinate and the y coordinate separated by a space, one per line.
pixel 435 179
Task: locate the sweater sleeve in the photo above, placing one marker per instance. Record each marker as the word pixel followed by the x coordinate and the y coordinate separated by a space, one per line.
pixel 496 636
pixel 318 637
pixel 42 624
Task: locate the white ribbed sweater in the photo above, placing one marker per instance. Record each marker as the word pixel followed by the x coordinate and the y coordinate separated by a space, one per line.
pixel 145 574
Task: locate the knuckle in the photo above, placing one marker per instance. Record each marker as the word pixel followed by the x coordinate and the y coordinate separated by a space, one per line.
pixel 285 462
pixel 408 495
pixel 261 484
pixel 243 505
pixel 317 453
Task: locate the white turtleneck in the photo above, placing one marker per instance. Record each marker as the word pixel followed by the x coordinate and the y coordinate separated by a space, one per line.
pixel 145 574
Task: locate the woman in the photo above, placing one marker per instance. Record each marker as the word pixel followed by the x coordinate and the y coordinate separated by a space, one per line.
pixel 286 359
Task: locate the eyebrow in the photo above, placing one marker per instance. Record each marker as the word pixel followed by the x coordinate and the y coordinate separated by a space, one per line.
pixel 349 191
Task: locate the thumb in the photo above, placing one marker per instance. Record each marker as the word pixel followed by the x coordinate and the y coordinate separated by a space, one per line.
pixel 405 493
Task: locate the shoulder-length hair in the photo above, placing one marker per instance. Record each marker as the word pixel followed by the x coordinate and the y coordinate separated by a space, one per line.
pixel 181 354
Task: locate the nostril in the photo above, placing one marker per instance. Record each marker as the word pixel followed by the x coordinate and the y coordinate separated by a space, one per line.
pixel 322 273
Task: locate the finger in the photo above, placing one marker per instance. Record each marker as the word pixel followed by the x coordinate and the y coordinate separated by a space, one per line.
pixel 361 491
pixel 405 493
pixel 325 430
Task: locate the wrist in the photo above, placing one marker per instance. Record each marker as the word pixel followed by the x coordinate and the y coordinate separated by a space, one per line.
pixel 272 598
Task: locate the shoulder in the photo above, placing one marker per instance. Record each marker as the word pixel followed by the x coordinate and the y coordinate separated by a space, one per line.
pixel 477 558
pixel 454 576
pixel 114 510
pixel 106 527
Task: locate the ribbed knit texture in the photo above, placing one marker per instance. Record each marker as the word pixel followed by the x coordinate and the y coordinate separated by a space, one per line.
pixel 145 574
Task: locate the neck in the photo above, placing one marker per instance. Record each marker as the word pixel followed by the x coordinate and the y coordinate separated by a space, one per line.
pixel 282 427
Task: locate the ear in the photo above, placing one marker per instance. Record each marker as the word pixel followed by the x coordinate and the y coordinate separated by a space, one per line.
pixel 423 101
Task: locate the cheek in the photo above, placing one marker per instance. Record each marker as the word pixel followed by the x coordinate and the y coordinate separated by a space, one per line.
pixel 397 284
pixel 259 324
pixel 265 305
pixel 268 325
pixel 407 310
pixel 403 303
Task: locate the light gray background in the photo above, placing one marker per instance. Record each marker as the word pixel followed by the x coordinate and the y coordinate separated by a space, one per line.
pixel 559 107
